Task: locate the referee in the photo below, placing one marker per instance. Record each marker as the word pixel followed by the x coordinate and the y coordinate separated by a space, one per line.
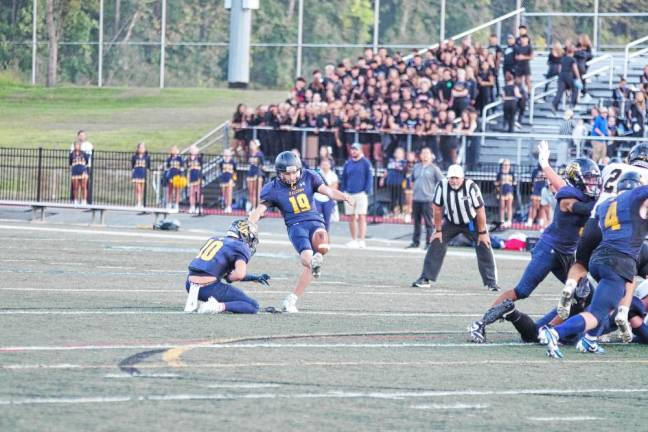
pixel 459 202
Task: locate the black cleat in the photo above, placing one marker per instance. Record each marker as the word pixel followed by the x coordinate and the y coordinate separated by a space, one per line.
pixel 422 283
pixel 493 287
pixel 498 311
pixel 412 246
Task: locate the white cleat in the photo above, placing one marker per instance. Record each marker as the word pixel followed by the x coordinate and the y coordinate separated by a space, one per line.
pixel 549 337
pixel 316 265
pixel 211 306
pixel 565 302
pixel 621 320
pixel 353 244
pixel 290 304
pixel 191 305
pixel 362 244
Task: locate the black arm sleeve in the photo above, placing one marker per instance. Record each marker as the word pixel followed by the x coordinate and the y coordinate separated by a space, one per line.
pixel 582 208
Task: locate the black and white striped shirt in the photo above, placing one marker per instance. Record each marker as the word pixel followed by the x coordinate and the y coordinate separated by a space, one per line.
pixel 459 206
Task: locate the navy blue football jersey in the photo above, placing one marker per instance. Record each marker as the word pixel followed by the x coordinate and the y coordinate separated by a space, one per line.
pixel 563 233
pixel 296 204
pixel 218 256
pixel 622 226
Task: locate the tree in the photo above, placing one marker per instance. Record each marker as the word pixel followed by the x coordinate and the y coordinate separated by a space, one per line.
pixel 53 35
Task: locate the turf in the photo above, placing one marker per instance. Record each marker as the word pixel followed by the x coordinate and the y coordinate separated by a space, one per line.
pixel 93 337
pixel 116 118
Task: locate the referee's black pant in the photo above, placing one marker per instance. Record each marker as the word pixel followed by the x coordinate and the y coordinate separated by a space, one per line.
pixel 437 251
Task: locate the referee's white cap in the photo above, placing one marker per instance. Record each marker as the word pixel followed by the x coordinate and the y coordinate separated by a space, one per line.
pixel 455 171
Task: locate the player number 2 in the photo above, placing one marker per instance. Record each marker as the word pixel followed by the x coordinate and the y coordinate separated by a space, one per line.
pixel 611 218
pixel 209 250
pixel 299 203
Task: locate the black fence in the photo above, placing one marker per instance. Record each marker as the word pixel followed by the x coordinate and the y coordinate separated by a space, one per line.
pixel 44 175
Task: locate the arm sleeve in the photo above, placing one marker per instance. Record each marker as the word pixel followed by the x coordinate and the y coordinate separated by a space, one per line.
pixel 582 208
pixel 438 194
pixel 475 195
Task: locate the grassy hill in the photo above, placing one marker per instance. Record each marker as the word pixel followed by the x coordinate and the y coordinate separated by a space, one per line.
pixel 116 118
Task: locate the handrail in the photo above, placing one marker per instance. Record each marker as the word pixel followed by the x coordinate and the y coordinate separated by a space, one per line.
pixel 198 143
pixel 609 68
pixel 470 31
pixel 627 57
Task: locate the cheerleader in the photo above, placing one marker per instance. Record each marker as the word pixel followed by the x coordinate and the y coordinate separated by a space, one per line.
pixel 79 174
pixel 194 174
pixel 539 181
pixel 173 175
pixel 254 175
pixel 227 178
pixel 140 163
pixel 504 185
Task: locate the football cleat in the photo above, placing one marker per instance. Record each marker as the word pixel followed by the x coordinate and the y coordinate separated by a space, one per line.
pixel 477 332
pixel 548 336
pixel 316 265
pixel 493 287
pixel 191 305
pixel 290 304
pixel 422 283
pixel 587 345
pixel 211 306
pixel 498 311
pixel 621 320
pixel 565 302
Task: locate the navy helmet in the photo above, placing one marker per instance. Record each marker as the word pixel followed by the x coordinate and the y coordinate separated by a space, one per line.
pixel 584 174
pixel 245 231
pixel 629 181
pixel 288 162
pixel 638 155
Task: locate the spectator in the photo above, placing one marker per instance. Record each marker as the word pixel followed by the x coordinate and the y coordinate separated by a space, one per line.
pixel 194 174
pixel 510 95
pixel 566 129
pixel 582 55
pixel 395 181
pixel 521 102
pixel 553 62
pixel 326 206
pixel 643 79
pixel 636 115
pixel 538 182
pixel 238 124
pixel 86 146
pixel 486 83
pixel 357 181
pixel 567 79
pixel 425 176
pixel 173 175
pixel 140 164
pixel 600 130
pixel 408 193
pixel 496 51
pixel 510 63
pixel 227 179
pixel 79 161
pixel 578 135
pixel 505 186
pixel 523 56
pixel 458 209
pixel 254 178
pixel 620 94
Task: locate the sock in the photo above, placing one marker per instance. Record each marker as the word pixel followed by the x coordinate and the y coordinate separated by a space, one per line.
pixel 572 326
pixel 524 325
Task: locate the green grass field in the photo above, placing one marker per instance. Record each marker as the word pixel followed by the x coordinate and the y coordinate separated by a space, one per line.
pixel 93 338
pixel 116 118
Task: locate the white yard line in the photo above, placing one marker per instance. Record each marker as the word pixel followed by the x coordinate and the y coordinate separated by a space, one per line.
pixel 323 395
pixel 456 253
pixel 563 419
pixel 452 407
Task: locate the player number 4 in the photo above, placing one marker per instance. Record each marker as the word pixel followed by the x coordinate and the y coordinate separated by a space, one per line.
pixel 611 218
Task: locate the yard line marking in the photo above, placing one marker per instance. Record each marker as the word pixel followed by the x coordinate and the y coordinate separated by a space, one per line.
pixel 146 375
pixel 563 419
pixel 273 292
pixel 244 385
pixel 228 365
pixel 326 395
pixel 499 255
pixel 457 406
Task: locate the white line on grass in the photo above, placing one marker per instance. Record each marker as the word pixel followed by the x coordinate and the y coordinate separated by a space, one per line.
pixel 502 256
pixel 181 291
pixel 453 407
pixel 327 395
pixel 563 419
pixel 258 345
pixel 582 361
pixel 145 375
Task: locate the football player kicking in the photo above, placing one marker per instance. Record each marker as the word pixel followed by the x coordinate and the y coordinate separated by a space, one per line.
pixel 612 174
pixel 224 258
pixel 292 193
pixel 623 221
pixel 554 252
